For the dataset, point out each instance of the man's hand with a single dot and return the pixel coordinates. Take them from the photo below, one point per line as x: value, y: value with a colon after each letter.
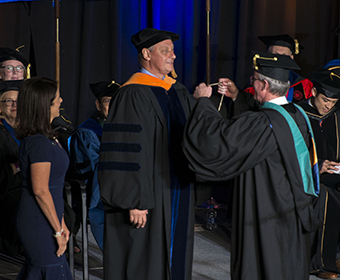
x: 202, y: 90
x: 138, y: 217
x: 329, y: 167
x: 228, y: 88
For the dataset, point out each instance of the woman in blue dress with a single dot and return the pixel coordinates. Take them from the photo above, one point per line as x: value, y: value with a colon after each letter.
x: 43, y: 162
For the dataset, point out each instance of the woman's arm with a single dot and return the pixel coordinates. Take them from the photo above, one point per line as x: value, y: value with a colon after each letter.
x: 40, y: 174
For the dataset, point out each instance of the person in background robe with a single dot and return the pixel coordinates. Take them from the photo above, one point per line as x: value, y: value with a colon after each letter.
x: 300, y: 87
x: 84, y: 145
x: 272, y: 214
x: 325, y: 117
x: 13, y: 65
x: 10, y: 175
x: 143, y: 175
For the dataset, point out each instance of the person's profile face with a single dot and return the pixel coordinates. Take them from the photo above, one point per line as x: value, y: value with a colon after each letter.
x: 258, y: 87
x: 55, y: 107
x: 322, y: 103
x: 103, y: 105
x: 162, y: 57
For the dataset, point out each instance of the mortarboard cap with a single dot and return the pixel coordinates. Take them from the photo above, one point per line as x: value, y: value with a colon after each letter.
x: 102, y: 89
x: 327, y: 81
x: 12, y: 54
x: 275, y: 66
x: 283, y: 40
x: 10, y: 85
x: 151, y: 36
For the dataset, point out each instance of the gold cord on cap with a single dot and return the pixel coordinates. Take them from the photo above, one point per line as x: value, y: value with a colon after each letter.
x: 112, y: 83
x: 297, y: 51
x: 28, y: 70
x: 332, y: 68
x: 18, y: 48
x: 332, y: 74
x: 257, y: 56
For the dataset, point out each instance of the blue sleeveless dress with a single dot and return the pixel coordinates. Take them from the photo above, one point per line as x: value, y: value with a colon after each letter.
x: 34, y: 229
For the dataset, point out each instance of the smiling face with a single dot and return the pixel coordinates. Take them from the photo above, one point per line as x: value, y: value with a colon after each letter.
x: 160, y: 58
x: 7, y: 75
x: 56, y: 106
x: 9, y: 112
x: 322, y: 103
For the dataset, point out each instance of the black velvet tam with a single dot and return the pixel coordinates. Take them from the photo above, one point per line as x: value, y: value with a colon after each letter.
x: 151, y: 36
x: 10, y: 85
x: 283, y: 40
x: 106, y: 88
x: 12, y: 54
x: 274, y: 66
x: 327, y: 81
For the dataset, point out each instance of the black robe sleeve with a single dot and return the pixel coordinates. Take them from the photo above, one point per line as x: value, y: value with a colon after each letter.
x: 126, y: 167
x: 244, y: 101
x: 219, y: 149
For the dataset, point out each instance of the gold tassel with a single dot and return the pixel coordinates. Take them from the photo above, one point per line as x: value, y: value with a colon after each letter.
x: 297, y: 51
x: 28, y: 71
x: 173, y: 74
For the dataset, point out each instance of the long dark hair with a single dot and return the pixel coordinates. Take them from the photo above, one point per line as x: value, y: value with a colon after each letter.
x: 35, y: 98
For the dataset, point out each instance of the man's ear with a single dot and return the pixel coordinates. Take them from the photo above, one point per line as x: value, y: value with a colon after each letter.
x: 314, y: 91
x: 146, y: 54
x: 265, y: 85
x: 98, y: 105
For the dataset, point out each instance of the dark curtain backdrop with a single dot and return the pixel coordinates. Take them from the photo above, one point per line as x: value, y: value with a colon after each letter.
x: 95, y: 38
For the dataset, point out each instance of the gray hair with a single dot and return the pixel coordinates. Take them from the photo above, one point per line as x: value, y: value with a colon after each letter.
x: 276, y: 87
x: 140, y: 55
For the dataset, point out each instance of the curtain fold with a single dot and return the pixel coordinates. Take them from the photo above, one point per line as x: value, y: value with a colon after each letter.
x: 95, y: 38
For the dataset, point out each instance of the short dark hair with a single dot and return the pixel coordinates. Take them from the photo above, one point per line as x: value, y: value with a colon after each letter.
x: 35, y: 98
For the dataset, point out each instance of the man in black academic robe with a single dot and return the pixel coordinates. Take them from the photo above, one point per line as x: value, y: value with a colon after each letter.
x: 325, y: 120
x: 300, y: 87
x: 272, y: 206
x: 10, y: 175
x: 143, y: 176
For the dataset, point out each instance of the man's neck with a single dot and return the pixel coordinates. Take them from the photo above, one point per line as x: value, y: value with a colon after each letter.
x: 145, y: 71
x: 279, y: 100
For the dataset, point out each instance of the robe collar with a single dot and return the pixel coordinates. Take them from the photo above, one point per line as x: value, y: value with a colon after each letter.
x: 147, y: 80
x: 282, y: 100
x: 313, y: 112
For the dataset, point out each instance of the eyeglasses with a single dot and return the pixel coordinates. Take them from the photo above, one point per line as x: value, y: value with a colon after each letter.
x: 106, y: 101
x: 252, y: 80
x: 11, y: 68
x: 9, y: 102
